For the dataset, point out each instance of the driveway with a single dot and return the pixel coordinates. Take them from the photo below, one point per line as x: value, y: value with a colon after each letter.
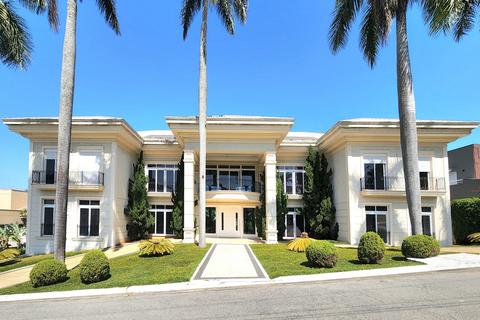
x: 433, y: 295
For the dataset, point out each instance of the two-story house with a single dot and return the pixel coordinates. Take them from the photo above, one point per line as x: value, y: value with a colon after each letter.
x: 365, y: 155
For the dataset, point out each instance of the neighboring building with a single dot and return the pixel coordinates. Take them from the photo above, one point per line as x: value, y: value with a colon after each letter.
x: 365, y: 156
x: 12, y: 203
x: 464, y: 165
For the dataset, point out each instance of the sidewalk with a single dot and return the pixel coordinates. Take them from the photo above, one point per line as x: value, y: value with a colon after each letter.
x: 15, y: 276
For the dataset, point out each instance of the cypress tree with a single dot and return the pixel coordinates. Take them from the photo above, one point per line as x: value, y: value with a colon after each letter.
x: 282, y: 203
x: 260, y: 211
x: 140, y: 220
x: 177, y: 200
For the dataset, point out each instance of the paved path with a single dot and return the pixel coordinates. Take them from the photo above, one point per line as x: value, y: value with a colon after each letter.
x: 229, y: 261
x: 433, y: 295
x: 462, y: 249
x: 16, y: 276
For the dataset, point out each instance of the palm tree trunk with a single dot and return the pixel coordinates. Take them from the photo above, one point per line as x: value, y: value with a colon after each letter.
x: 408, y: 126
x: 202, y: 123
x: 64, y: 129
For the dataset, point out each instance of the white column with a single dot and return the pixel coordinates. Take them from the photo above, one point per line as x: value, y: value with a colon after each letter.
x: 271, y: 197
x: 189, y: 202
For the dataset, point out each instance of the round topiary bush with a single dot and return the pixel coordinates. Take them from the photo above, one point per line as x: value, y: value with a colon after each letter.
x: 420, y: 246
x: 48, y: 272
x: 94, y: 267
x: 371, y: 248
x: 322, y: 253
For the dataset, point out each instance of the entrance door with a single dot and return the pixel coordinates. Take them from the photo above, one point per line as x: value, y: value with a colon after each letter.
x: 229, y: 222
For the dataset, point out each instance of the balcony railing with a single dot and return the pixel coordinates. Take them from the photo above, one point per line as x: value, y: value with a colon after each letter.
x: 81, y: 178
x: 398, y: 184
x: 256, y: 187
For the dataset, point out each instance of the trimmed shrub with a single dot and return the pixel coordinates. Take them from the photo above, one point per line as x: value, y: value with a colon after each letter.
x: 322, y: 254
x: 48, y: 272
x: 94, y: 267
x: 420, y: 246
x: 465, y: 218
x: 371, y: 248
x: 155, y: 247
x: 300, y: 244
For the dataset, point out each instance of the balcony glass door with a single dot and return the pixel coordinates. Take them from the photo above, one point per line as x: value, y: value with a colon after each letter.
x: 374, y: 176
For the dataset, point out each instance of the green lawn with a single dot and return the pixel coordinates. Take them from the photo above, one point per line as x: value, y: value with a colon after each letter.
x: 132, y: 270
x: 29, y: 260
x: 278, y: 261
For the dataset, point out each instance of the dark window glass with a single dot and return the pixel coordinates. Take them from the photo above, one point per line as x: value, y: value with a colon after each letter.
x: 152, y: 227
x: 300, y: 220
x: 299, y: 182
x: 426, y: 209
x: 224, y: 180
x: 151, y: 180
x: 382, y: 208
x: 84, y: 202
x: 371, y: 223
x: 289, y: 182
x: 48, y: 221
x: 379, y: 176
x: 95, y: 202
x: 369, y: 208
x: 211, y: 180
x: 236, y: 221
x: 170, y: 180
x: 48, y: 201
x: 248, y: 181
x: 160, y: 183
x: 169, y: 221
x: 223, y: 221
x: 210, y: 220
x: 234, y: 180
x: 382, y: 226
x: 160, y: 226
x: 423, y: 180
x: 426, y: 225
x: 94, y: 222
x: 83, y: 222
x: 50, y: 171
x: 249, y: 221
x: 290, y: 225
x: 369, y: 182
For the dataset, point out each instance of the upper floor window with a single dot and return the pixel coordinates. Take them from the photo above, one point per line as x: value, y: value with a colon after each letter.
x: 374, y: 170
x: 161, y: 177
x: 50, y: 160
x: 230, y: 177
x: 48, y: 217
x: 89, y: 218
x: 293, y: 179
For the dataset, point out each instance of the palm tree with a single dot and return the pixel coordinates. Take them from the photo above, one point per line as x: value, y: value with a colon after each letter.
x: 15, y: 42
x: 375, y: 27
x: 67, y: 85
x: 224, y: 10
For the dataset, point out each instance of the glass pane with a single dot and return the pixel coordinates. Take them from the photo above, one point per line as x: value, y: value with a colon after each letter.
x: 170, y: 180
x: 94, y: 222
x: 152, y: 227
x: 289, y: 182
x: 382, y: 226
x: 151, y: 180
x: 224, y: 182
x: 83, y: 229
x: 290, y: 231
x: 160, y: 183
x: 211, y: 180
x: 48, y: 222
x: 426, y: 225
x: 210, y: 220
x: 248, y: 181
x: 160, y: 223
x: 168, y: 222
x: 426, y: 209
x: 223, y: 221
x: 236, y: 221
x: 95, y: 202
x: 423, y: 180
x: 299, y: 182
x: 369, y: 176
x: 234, y: 180
x: 50, y: 171
x: 371, y: 225
x: 300, y: 225
x: 249, y: 221
x: 84, y: 202
x: 379, y: 176
x: 369, y: 208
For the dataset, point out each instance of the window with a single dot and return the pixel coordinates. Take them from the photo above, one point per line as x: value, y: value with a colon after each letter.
x: 89, y: 164
x: 374, y: 176
x: 161, y: 177
x: 377, y: 221
x: 50, y: 165
x: 230, y: 177
x: 423, y: 180
x: 89, y: 218
x: 48, y: 221
x: 294, y: 222
x: 211, y: 220
x: 293, y: 179
x: 163, y: 219
x: 248, y: 220
x: 427, y: 221
x: 223, y: 221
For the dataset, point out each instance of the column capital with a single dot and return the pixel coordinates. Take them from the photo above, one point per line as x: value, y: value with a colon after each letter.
x: 270, y: 158
x: 188, y: 156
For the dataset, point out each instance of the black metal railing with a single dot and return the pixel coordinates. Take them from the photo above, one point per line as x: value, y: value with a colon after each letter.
x: 85, y: 230
x: 398, y: 183
x: 93, y: 178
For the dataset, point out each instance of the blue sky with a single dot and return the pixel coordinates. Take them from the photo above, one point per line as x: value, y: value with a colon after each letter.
x: 278, y: 64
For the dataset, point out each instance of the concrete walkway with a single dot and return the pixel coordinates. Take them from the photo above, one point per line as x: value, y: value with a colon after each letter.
x: 229, y: 262
x: 461, y: 249
x: 16, y: 276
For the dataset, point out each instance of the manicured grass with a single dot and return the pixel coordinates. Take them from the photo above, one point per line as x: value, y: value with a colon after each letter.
x: 30, y: 260
x: 279, y: 261
x: 132, y: 270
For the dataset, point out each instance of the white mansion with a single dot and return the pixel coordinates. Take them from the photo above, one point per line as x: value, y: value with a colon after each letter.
x: 365, y: 155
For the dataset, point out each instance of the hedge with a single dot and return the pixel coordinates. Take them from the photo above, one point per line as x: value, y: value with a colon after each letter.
x: 322, y: 253
x: 94, y: 267
x: 465, y: 218
x: 420, y: 246
x: 371, y: 248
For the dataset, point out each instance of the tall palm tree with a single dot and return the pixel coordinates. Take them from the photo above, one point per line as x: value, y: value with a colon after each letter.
x: 67, y: 85
x: 375, y: 27
x: 15, y: 41
x: 225, y: 8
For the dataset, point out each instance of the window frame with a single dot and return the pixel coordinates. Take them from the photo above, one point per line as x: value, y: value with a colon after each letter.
x: 240, y: 169
x: 42, y: 226
x: 165, y: 168
x: 292, y: 211
x: 163, y: 208
x: 293, y: 170
x: 376, y: 213
x: 89, y: 206
x: 428, y: 214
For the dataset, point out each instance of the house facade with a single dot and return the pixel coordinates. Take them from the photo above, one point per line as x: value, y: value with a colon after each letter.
x: 364, y: 154
x: 464, y: 165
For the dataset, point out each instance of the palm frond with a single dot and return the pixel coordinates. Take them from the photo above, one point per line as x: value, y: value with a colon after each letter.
x: 15, y: 43
x: 53, y: 14
x: 464, y: 18
x: 37, y: 6
x: 224, y: 10
x: 189, y: 9
x: 108, y: 8
x: 241, y: 7
x: 344, y: 14
x: 370, y: 36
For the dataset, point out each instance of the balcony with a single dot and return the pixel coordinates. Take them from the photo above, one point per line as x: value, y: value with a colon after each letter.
x: 248, y: 194
x: 78, y: 180
x: 248, y: 187
x: 395, y: 186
